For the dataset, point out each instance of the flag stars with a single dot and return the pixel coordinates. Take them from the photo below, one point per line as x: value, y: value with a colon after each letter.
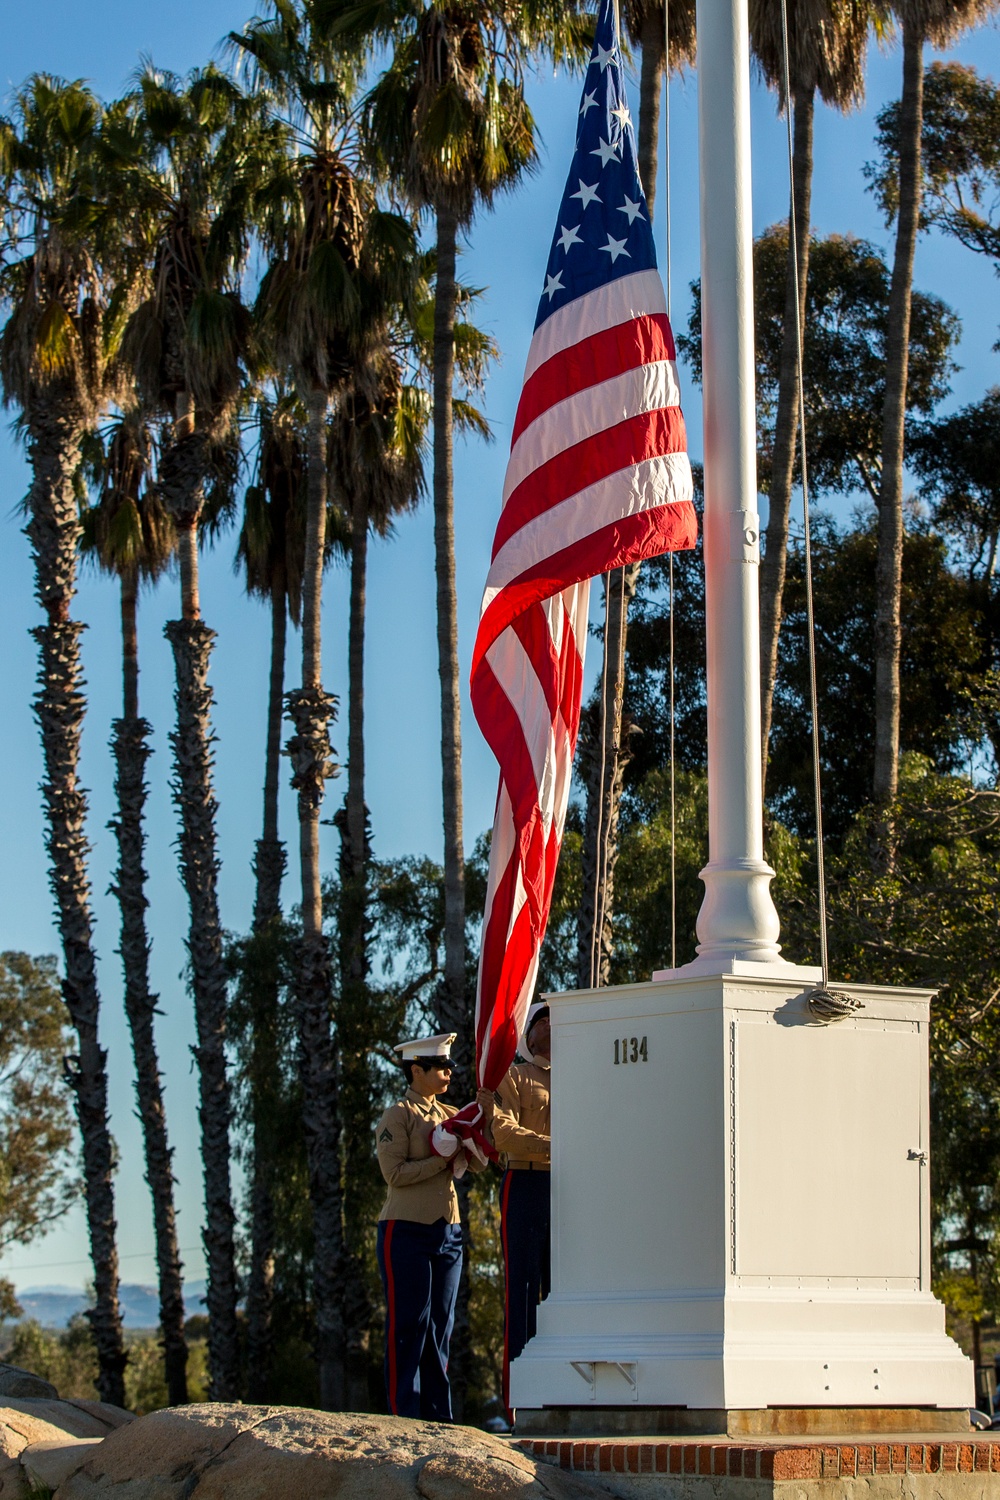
x: 586, y: 194
x: 623, y: 115
x: 614, y: 248
x: 554, y: 284
x: 589, y: 102
x: 604, y: 56
x: 567, y: 237
x: 634, y: 210
x: 606, y: 152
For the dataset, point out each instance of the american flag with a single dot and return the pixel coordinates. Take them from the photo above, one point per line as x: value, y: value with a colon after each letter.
x: 598, y: 477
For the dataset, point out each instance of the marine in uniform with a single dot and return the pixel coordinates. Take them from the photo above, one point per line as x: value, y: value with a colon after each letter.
x: 419, y: 1235
x: 521, y: 1130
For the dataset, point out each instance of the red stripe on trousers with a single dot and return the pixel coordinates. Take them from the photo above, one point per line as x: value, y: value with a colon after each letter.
x: 671, y: 527
x: 390, y: 1289
x: 638, y: 341
x: 506, y: 1298
x: 649, y: 434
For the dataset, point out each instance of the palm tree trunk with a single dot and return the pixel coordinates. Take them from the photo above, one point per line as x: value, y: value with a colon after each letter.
x: 453, y: 1013
x: 354, y: 1016
x: 650, y: 90
x: 131, y: 753
x: 311, y: 710
x: 181, y: 481
x: 888, y: 634
x: 775, y: 560
x: 269, y: 869
x: 59, y: 705
x: 269, y: 857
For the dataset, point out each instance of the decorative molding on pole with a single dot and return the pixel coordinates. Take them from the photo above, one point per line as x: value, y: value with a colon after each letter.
x: 738, y: 920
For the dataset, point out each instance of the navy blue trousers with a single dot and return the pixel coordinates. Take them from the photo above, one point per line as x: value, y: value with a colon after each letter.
x: 421, y: 1265
x: 525, y: 1211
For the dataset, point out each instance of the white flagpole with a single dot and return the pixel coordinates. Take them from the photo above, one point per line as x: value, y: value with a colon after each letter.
x: 738, y: 920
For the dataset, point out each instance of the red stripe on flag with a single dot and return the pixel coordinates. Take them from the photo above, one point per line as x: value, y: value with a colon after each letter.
x: 649, y: 434
x: 672, y: 527
x: 642, y: 341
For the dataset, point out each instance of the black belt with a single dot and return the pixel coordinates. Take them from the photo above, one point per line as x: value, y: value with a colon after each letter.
x: 528, y: 1166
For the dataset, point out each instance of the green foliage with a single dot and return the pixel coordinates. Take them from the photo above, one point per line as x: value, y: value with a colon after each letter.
x: 958, y: 458
x: 9, y: 1305
x: 63, y: 272
x: 67, y: 1359
x: 35, y: 1118
x: 960, y: 156
x: 845, y: 332
x: 945, y: 651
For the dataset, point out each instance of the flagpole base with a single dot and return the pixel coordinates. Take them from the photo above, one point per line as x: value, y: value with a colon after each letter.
x: 740, y: 1201
x: 738, y: 919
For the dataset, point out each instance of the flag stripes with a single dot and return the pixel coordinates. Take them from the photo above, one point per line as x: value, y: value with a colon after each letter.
x: 598, y: 476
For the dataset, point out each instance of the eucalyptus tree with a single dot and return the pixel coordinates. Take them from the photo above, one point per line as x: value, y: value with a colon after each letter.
x: 920, y: 21
x: 958, y: 458
x: 448, y: 123
x: 826, y: 47
x: 270, y: 558
x: 199, y: 145
x: 131, y: 537
x: 337, y: 263
x: 58, y: 368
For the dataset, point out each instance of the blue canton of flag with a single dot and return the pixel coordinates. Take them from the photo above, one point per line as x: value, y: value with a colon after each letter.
x: 603, y: 230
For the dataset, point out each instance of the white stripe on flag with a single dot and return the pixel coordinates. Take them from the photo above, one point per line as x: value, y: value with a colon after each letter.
x: 664, y: 480
x: 515, y: 672
x: 636, y: 296
x: 589, y: 411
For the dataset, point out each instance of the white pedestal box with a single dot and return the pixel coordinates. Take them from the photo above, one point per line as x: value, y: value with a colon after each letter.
x: 740, y: 1202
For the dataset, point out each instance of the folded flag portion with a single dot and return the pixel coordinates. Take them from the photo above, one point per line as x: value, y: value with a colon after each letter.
x: 465, y: 1129
x: 598, y: 477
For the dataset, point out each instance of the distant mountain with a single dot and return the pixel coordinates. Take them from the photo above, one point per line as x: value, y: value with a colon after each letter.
x: 53, y: 1306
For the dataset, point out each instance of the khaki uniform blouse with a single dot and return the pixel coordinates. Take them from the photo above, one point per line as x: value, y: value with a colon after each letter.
x: 521, y: 1117
x: 421, y: 1185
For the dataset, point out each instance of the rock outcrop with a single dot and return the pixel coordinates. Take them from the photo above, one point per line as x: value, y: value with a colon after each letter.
x: 216, y: 1452
x: 17, y: 1382
x: 25, y: 1421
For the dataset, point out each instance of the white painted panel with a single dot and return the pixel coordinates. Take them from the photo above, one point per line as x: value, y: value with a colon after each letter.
x: 638, y: 1189
x: 826, y: 1116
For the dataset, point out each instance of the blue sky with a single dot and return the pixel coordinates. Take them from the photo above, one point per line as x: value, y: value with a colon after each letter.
x: 506, y: 255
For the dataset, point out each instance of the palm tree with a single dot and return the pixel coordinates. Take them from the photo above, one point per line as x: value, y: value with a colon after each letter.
x: 337, y: 264
x: 56, y: 366
x: 939, y: 22
x: 132, y: 538
x: 827, y: 42
x: 649, y: 23
x: 270, y: 551
x: 448, y: 123
x: 376, y: 472
x: 188, y: 343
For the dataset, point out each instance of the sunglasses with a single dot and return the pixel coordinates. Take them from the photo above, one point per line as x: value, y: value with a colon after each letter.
x: 427, y: 1063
